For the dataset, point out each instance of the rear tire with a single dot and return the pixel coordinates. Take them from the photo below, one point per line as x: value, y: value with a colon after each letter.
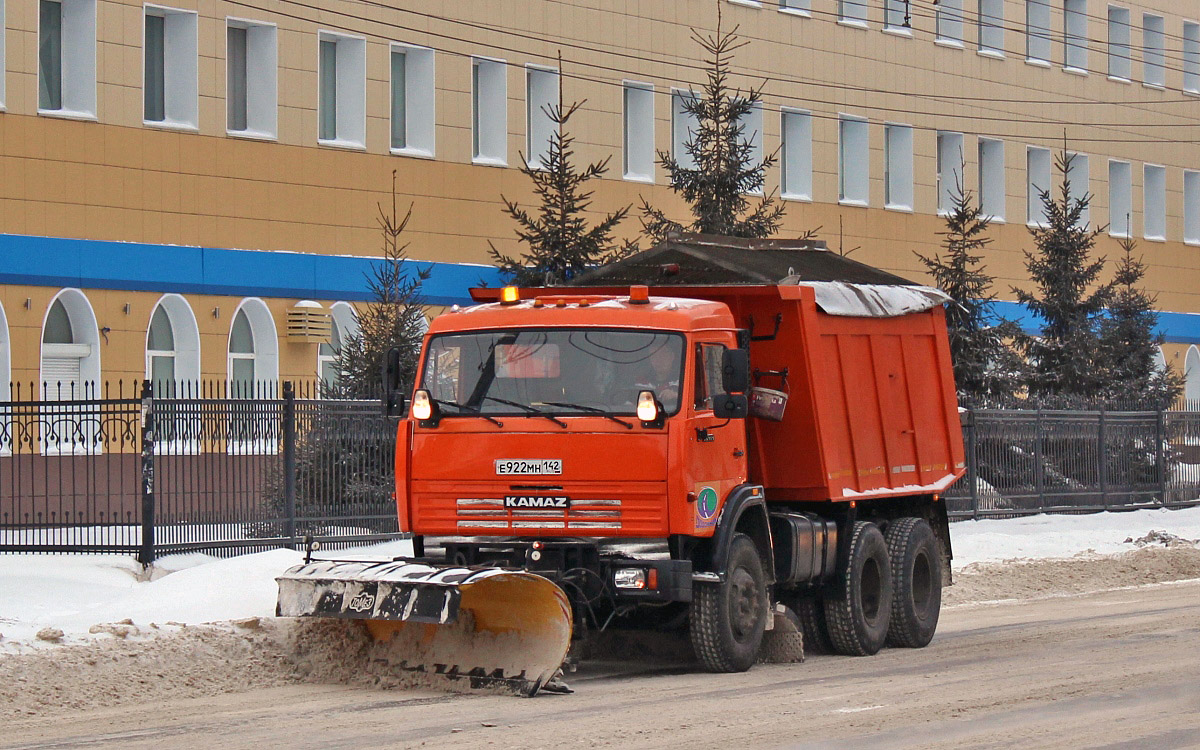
x: 916, y: 559
x: 727, y: 619
x: 858, y: 618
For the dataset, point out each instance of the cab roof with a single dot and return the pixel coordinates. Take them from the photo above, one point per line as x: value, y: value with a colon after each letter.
x: 587, y: 310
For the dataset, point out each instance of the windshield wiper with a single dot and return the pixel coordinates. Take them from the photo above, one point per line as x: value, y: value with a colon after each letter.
x: 529, y: 410
x: 590, y: 410
x: 463, y: 408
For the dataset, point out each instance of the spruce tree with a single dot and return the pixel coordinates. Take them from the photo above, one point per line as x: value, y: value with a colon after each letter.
x: 394, y: 317
x: 560, y: 243
x: 987, y: 371
x: 1129, y: 342
x: 1067, y: 296
x: 718, y: 188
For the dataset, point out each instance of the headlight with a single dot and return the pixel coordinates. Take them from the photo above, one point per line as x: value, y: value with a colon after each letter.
x: 422, y: 405
x: 647, y: 406
x: 629, y: 578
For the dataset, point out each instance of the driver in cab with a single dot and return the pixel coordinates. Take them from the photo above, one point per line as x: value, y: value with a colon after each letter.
x: 661, y: 377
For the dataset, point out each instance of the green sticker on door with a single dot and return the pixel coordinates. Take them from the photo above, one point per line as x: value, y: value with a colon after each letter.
x: 706, y: 506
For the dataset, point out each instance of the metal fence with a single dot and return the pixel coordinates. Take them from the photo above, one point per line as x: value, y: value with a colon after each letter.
x: 202, y: 467
x: 1037, y: 461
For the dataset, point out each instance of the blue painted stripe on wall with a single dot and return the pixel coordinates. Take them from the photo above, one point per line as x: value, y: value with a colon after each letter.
x: 94, y: 264
x: 1179, y: 328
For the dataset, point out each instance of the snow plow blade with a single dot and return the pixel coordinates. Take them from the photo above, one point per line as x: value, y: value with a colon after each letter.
x: 489, y: 626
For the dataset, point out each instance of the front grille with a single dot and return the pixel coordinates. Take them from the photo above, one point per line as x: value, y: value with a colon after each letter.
x: 488, y: 512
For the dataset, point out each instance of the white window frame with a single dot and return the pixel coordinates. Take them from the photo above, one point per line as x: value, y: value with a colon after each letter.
x: 420, y: 100
x: 683, y: 126
x: 181, y: 70
x: 85, y: 335
x: 1120, y: 41
x: 77, y: 64
x: 857, y: 15
x: 489, y: 92
x: 1038, y: 39
x: 893, y: 18
x: 949, y: 23
x: 991, y: 28
x: 1075, y: 36
x: 262, y: 79
x: 540, y: 80
x: 796, y: 7
x: 1154, y: 202
x: 1080, y: 172
x: 1191, y: 57
x: 1191, y: 207
x: 637, y: 115
x: 992, y: 191
x: 6, y: 394
x: 350, y: 91
x: 1120, y: 198
x: 1038, y: 177
x: 854, y: 187
x: 951, y: 158
x: 795, y: 158
x: 1153, y: 52
x: 898, y: 167
x: 182, y: 440
x: 265, y: 382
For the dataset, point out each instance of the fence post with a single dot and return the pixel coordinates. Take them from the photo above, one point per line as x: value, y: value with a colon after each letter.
x: 1039, y: 473
x: 972, y: 463
x: 1160, y: 458
x: 1101, y: 451
x: 289, y: 459
x: 146, y: 555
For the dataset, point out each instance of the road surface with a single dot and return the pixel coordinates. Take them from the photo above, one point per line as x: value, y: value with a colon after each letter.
x: 1113, y: 670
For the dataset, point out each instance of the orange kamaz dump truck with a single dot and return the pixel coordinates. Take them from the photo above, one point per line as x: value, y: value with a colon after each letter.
x: 738, y: 460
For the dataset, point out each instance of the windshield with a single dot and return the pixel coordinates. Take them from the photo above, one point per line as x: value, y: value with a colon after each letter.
x: 559, y: 371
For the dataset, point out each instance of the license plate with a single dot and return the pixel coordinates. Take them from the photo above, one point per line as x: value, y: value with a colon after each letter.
x: 528, y: 466
x: 554, y: 502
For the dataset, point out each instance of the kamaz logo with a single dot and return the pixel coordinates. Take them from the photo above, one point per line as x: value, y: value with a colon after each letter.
x: 362, y: 603
x: 529, y: 501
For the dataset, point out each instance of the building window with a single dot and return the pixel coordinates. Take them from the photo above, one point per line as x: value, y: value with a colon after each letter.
x: 1191, y: 57
x: 541, y: 97
x: 1037, y: 31
x: 991, y: 178
x: 639, y: 131
x: 70, y: 370
x: 1075, y: 41
x: 752, y: 134
x: 66, y: 57
x: 1152, y: 50
x: 1037, y: 184
x: 413, y: 94
x: 683, y: 128
x: 854, y: 161
x: 241, y: 356
x: 170, y: 67
x: 1119, y: 60
x: 950, y: 21
x: 852, y: 12
x: 795, y: 6
x: 1191, y: 207
x: 950, y: 158
x: 1154, y: 202
x: 160, y: 353
x: 1120, y: 200
x: 250, y: 71
x: 327, y: 356
x: 1079, y: 176
x: 795, y: 156
x: 896, y: 16
x: 489, y: 111
x: 991, y: 26
x: 342, y: 90
x: 898, y: 167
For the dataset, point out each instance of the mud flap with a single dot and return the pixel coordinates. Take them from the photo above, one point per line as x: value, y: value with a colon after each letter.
x: 491, y: 627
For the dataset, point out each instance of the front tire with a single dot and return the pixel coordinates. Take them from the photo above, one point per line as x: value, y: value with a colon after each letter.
x: 858, y: 617
x: 917, y: 575
x: 727, y: 619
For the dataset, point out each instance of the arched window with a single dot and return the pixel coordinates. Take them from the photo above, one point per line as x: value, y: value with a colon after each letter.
x: 6, y: 441
x: 253, y: 363
x: 70, y: 348
x: 1191, y: 375
x: 343, y: 322
x: 173, y: 348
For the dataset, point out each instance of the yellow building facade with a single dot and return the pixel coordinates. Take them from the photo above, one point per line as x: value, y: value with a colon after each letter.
x: 227, y: 160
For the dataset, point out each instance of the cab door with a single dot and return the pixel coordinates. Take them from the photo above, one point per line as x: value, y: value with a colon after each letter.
x: 716, y: 447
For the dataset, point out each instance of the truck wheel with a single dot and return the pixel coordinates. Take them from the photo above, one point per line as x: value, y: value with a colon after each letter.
x: 811, y: 612
x: 858, y: 618
x: 728, y: 619
x: 917, y: 578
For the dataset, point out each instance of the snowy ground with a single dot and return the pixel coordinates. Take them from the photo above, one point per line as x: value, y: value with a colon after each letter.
x: 75, y: 593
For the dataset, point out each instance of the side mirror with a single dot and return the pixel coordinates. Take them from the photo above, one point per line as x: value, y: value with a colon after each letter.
x: 735, y: 371
x: 393, y: 399
x: 730, y: 406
